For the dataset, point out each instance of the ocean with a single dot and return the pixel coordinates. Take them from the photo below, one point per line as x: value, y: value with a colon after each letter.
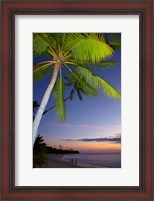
x: 95, y: 160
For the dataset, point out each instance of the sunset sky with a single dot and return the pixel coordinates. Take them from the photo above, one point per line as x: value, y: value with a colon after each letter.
x: 92, y: 125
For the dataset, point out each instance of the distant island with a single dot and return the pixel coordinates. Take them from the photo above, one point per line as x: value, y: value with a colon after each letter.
x: 51, y: 150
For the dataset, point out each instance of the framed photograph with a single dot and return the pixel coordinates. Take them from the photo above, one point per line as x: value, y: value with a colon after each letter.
x: 77, y: 100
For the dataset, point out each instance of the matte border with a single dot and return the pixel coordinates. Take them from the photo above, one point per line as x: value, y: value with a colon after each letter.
x: 134, y: 7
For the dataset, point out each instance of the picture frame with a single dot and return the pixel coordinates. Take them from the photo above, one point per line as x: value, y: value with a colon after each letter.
x: 144, y: 9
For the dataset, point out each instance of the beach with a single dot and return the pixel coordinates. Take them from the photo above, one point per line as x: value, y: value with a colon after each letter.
x: 55, y: 161
x: 83, y: 160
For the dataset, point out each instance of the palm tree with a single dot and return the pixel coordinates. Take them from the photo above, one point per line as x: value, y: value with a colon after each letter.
x: 75, y: 87
x: 76, y: 52
x: 39, y: 152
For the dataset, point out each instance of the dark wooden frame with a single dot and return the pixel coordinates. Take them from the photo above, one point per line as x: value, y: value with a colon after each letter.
x: 11, y: 8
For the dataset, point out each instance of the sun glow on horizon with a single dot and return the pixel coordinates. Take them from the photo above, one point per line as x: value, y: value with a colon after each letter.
x: 89, y: 146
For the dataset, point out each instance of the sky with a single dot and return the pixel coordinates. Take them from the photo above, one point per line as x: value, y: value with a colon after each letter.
x: 92, y: 125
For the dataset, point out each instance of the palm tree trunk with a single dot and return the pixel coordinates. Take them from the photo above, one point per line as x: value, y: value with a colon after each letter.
x: 44, y: 103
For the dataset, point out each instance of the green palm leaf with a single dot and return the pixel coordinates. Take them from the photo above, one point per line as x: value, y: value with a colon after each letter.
x: 98, y: 66
x: 72, y: 94
x: 114, y: 40
x: 98, y: 82
x: 79, y: 94
x: 88, y: 47
x: 58, y: 37
x: 41, y: 43
x: 81, y: 83
x: 58, y: 94
x: 41, y: 70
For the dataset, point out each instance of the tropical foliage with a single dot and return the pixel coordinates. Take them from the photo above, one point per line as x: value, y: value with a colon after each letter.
x: 75, y: 88
x: 78, y: 53
x: 39, y: 152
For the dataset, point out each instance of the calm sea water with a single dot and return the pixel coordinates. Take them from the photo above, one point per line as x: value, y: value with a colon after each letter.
x: 108, y: 160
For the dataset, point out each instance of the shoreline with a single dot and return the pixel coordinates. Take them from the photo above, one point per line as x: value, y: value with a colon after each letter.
x: 56, y: 161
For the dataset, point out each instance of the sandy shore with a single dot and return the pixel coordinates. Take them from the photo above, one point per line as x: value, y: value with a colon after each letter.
x: 55, y: 161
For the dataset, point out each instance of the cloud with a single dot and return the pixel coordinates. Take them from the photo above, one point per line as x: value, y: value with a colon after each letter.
x: 87, y: 126
x: 112, y: 139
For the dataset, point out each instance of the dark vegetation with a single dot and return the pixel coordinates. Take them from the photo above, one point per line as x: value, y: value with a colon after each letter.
x: 51, y: 150
x: 40, y: 151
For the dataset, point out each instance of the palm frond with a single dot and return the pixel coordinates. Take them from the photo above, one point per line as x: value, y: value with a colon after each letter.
x: 41, y: 70
x: 58, y: 94
x: 98, y: 66
x: 81, y: 83
x: 72, y: 94
x: 98, y: 82
x: 41, y: 43
x: 114, y: 39
x: 58, y: 37
x: 87, y: 47
x: 79, y: 94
